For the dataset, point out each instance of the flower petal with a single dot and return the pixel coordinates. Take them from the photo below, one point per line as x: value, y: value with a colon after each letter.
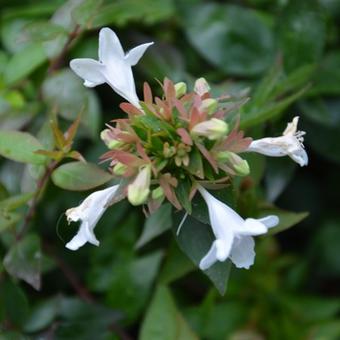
x: 251, y: 226
x: 270, y: 221
x: 299, y: 156
x: 109, y: 46
x: 90, y: 70
x: 83, y: 235
x: 133, y: 56
x: 89, y: 212
x: 242, y: 253
x: 210, y: 258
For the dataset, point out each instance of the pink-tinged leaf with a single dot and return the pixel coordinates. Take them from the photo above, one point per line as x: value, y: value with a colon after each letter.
x: 127, y: 158
x: 72, y: 130
x: 227, y: 169
x: 56, y: 155
x: 207, y: 156
x: 235, y: 142
x: 186, y: 139
x: 181, y: 109
x: 147, y: 93
x: 130, y: 109
x: 142, y: 153
x: 164, y: 112
x: 195, y: 117
x: 169, y: 193
x: 193, y: 191
x: 169, y: 90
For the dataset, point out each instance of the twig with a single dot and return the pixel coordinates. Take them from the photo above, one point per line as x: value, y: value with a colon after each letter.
x: 40, y: 186
x: 56, y: 63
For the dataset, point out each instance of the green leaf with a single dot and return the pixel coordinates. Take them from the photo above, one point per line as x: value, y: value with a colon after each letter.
x: 122, y: 12
x: 287, y: 219
x: 195, y: 239
x: 14, y: 301
x: 15, y: 202
x: 79, y: 176
x: 24, y: 259
x: 231, y: 37
x: 20, y: 147
x: 38, y: 31
x: 84, y: 13
x: 42, y: 315
x: 65, y: 92
x: 24, y: 62
x: 163, y: 320
x: 175, y: 266
x: 8, y: 219
x: 159, y: 222
x: 131, y: 283
x: 302, y: 33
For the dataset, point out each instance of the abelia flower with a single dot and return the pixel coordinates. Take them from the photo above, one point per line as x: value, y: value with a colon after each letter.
x: 113, y: 67
x: 289, y: 144
x: 89, y: 212
x: 233, y: 234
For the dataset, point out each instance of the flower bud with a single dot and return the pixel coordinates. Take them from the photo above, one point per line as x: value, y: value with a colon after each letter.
x: 110, y: 142
x: 157, y: 193
x: 139, y: 189
x: 234, y: 161
x: 201, y: 86
x: 209, y: 106
x: 119, y: 169
x: 181, y: 89
x: 212, y: 129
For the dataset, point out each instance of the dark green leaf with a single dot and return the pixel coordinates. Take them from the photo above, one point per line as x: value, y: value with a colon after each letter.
x: 24, y: 259
x: 195, y: 239
x: 159, y: 222
x: 24, y: 62
x: 231, y: 37
x: 163, y: 320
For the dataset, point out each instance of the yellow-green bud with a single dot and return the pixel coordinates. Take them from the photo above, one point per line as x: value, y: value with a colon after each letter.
x: 119, y: 169
x: 209, y: 106
x: 181, y: 89
x: 242, y: 168
x: 212, y: 129
x: 110, y: 142
x: 157, y: 193
x: 201, y: 86
x: 239, y: 165
x: 139, y: 189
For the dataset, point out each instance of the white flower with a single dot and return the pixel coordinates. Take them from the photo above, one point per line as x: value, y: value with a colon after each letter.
x: 89, y: 212
x: 289, y: 144
x: 233, y: 233
x: 113, y: 67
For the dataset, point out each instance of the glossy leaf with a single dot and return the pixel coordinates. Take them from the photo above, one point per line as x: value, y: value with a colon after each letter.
x: 79, y: 176
x: 20, y: 147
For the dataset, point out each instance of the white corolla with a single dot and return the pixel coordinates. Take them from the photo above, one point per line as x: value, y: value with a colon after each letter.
x: 233, y: 233
x: 113, y: 67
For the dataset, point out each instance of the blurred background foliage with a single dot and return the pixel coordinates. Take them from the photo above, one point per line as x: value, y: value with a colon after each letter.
x: 284, y: 55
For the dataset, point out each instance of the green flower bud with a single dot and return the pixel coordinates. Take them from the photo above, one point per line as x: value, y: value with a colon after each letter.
x: 212, y: 129
x: 201, y: 86
x: 139, y: 189
x: 234, y: 161
x: 119, y: 169
x: 181, y: 89
x: 209, y: 106
x: 157, y: 193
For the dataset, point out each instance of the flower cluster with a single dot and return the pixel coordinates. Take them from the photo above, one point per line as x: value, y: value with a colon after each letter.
x: 172, y: 146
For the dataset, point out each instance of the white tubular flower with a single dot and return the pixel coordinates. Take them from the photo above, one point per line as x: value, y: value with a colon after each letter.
x: 113, y: 67
x: 89, y: 212
x: 289, y: 144
x: 212, y: 129
x: 233, y: 234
